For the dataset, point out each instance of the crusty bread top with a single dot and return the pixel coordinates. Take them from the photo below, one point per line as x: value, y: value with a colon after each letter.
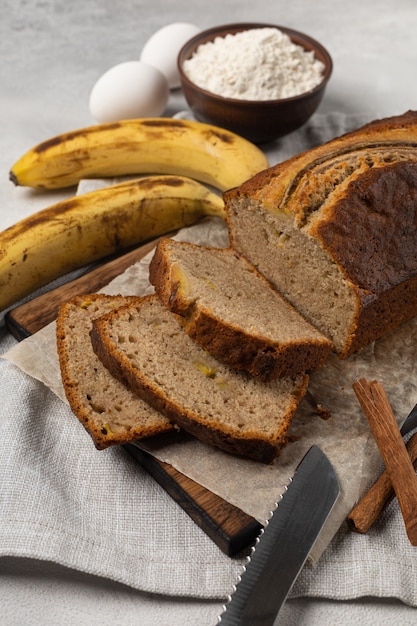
x: 371, y: 229
x: 145, y: 345
x: 110, y: 412
x: 231, y: 310
x: 357, y: 195
x: 376, y: 143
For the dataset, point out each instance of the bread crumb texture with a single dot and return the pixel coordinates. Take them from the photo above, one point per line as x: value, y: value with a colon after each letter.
x: 335, y: 231
x: 218, y: 404
x: 109, y: 411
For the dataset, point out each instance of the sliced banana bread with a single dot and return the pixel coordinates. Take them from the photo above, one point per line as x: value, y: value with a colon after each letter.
x: 110, y: 412
x: 144, y: 345
x: 335, y: 230
x: 233, y: 312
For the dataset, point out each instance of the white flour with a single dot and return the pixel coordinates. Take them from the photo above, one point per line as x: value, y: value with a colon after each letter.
x: 258, y: 64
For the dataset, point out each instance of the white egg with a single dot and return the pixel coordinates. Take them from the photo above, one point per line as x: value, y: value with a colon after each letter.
x: 162, y: 49
x: 129, y: 90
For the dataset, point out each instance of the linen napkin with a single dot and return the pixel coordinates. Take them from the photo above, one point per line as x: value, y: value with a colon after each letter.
x: 100, y: 513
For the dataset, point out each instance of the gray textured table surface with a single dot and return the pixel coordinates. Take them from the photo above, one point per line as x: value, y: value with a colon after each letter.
x: 51, y: 55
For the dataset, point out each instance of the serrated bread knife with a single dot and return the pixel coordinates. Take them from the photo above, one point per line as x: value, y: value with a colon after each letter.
x: 284, y: 545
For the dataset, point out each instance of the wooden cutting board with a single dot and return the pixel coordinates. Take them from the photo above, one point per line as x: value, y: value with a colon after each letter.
x: 229, y: 527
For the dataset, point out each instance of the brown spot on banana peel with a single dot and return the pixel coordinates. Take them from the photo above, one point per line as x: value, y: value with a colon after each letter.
x: 153, y: 123
x: 60, y: 209
x: 76, y: 152
x: 42, y: 217
x: 169, y: 181
x: 69, y: 136
x: 163, y: 123
x: 218, y: 134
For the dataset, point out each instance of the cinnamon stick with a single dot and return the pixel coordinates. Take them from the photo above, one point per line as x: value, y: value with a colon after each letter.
x: 365, y: 513
x: 384, y: 427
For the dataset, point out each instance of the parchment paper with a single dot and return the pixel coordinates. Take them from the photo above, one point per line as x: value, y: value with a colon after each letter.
x: 345, y: 436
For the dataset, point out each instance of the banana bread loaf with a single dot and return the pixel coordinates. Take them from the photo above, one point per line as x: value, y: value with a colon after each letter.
x: 233, y: 312
x: 110, y: 412
x: 144, y: 345
x: 335, y: 231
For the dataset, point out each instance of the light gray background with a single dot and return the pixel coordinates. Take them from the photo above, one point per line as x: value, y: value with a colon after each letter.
x: 51, y: 55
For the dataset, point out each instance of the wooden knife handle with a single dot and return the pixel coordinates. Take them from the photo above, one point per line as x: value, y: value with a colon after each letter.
x: 231, y: 529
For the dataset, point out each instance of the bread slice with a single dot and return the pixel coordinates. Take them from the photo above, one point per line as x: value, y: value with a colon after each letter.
x: 110, y: 412
x: 335, y: 231
x: 145, y: 345
x: 232, y: 311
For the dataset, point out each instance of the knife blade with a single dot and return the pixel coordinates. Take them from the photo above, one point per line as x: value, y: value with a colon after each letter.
x: 284, y: 545
x: 410, y: 422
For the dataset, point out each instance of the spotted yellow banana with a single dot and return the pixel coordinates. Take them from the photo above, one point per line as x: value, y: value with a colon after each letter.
x: 201, y: 151
x: 90, y: 226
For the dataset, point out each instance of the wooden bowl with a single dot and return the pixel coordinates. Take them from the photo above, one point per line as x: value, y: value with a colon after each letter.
x: 259, y: 121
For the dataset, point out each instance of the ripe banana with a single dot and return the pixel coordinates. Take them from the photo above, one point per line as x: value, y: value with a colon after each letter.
x: 77, y: 231
x: 207, y: 153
